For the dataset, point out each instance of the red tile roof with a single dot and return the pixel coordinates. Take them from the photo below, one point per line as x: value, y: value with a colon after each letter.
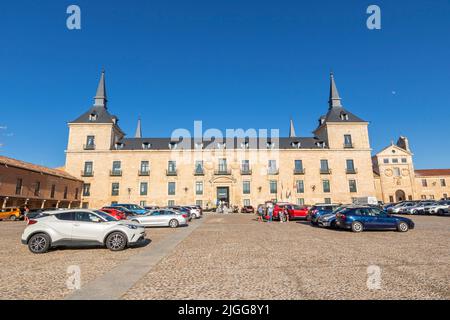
x: 432, y: 172
x: 36, y: 168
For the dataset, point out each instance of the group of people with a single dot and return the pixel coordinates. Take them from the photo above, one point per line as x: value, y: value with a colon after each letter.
x: 265, y: 214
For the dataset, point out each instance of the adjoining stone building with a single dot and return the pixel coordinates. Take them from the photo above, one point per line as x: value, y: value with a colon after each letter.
x: 23, y: 183
x: 334, y: 165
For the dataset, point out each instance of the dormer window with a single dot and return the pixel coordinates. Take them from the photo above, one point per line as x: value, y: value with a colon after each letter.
x: 115, y: 120
x: 321, y: 121
x: 296, y: 144
x: 221, y: 145
x: 173, y: 145
x: 270, y: 145
x: 198, y: 145
x: 93, y: 117
x: 344, y: 116
x: 321, y: 144
x: 244, y: 145
x: 146, y: 146
x: 119, y: 146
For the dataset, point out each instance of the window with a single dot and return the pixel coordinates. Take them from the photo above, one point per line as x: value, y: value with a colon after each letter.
x: 245, y: 166
x: 65, y: 192
x: 143, y: 190
x: 37, y: 189
x: 298, y: 166
x: 324, y: 166
x: 350, y: 166
x: 115, y: 189
x: 52, y: 191
x: 143, y: 203
x: 273, y: 167
x: 386, y: 160
x: 199, y: 167
x: 301, y: 201
x: 247, y: 202
x: 90, y: 143
x: 86, y: 190
x: 171, y: 187
x: 424, y: 183
x: 391, y: 199
x: 273, y: 187
x: 348, y: 141
x: 445, y: 195
x: 146, y: 146
x: 327, y: 200
x: 222, y: 165
x: 352, y: 186
x: 423, y: 197
x: 246, y: 187
x: 443, y: 183
x: 395, y: 160
x: 116, y: 167
x: 300, y: 186
x: 76, y: 193
x: 172, y: 166
x: 88, y: 168
x: 170, y: 203
x: 66, y: 216
x: 199, y: 203
x: 93, y: 117
x: 404, y: 160
x: 326, y: 186
x: 397, y: 172
x: 199, y: 188
x: 145, y: 167
x: 432, y: 197
x: 19, y: 183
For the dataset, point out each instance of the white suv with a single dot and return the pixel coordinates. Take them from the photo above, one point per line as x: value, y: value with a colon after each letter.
x: 80, y: 227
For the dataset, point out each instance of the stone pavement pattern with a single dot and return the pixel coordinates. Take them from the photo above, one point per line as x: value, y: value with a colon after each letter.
x: 235, y: 257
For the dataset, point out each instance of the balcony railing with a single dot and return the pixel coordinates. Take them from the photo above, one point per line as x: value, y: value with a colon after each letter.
x: 246, y: 171
x: 171, y: 172
x: 144, y: 173
x: 299, y: 171
x: 273, y: 172
x: 351, y: 171
x: 325, y: 171
x: 348, y: 145
x: 87, y: 173
x: 222, y: 172
x: 115, y: 173
x: 89, y: 147
x: 199, y: 172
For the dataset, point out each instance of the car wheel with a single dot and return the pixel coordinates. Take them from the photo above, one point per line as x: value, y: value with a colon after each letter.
x: 116, y: 241
x: 173, y: 223
x: 333, y: 225
x: 39, y: 243
x: 357, y: 226
x: 440, y: 212
x: 13, y: 218
x: 403, y: 227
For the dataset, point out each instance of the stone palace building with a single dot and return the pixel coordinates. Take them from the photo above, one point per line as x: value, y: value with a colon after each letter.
x: 334, y: 165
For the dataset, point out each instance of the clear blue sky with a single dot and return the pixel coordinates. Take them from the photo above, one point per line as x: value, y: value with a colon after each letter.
x: 230, y: 63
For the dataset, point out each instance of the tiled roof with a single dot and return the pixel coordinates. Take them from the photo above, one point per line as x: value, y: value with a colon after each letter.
x: 36, y: 168
x: 432, y: 172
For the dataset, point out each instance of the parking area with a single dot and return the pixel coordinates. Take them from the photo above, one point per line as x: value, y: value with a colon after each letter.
x: 236, y: 257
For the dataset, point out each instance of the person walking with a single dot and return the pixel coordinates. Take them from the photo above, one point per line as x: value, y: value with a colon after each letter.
x: 281, y: 215
x: 260, y: 214
x: 286, y: 214
x: 270, y: 214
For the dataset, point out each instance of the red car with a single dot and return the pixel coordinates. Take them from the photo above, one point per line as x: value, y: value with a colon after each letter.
x: 119, y: 215
x: 296, y: 211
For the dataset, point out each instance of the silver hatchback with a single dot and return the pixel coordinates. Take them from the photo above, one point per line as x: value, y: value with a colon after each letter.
x: 162, y: 218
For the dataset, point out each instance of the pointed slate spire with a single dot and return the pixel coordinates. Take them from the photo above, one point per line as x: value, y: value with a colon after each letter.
x: 335, y: 99
x: 138, y: 129
x: 100, y: 98
x: 292, y: 130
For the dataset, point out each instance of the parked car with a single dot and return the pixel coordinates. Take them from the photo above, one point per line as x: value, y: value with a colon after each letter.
x: 247, y: 209
x: 118, y: 214
x: 132, y: 207
x: 187, y: 211
x: 441, y: 208
x: 320, y: 209
x: 80, y: 227
x: 195, y: 211
x: 150, y: 208
x: 370, y: 218
x: 401, y: 207
x: 12, y: 214
x: 329, y: 220
x: 419, y: 208
x: 128, y: 213
x: 162, y: 218
x: 296, y: 211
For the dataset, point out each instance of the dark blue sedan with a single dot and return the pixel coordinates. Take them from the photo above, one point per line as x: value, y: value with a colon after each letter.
x: 358, y: 219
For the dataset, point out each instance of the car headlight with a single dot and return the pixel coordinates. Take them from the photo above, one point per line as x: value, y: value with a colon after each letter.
x: 132, y: 226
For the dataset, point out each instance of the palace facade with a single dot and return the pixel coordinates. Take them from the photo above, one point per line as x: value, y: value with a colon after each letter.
x: 334, y: 165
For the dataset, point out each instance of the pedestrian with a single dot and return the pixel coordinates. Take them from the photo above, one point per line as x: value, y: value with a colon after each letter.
x: 26, y: 212
x: 260, y: 214
x: 270, y: 214
x: 286, y: 214
x: 281, y: 215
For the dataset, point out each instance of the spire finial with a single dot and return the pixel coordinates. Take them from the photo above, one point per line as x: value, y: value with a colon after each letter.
x: 292, y: 129
x: 138, y: 129
x: 335, y: 99
x: 100, y: 98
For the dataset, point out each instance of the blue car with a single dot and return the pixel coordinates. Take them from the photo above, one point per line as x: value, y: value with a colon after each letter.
x: 319, y: 210
x: 135, y: 209
x: 358, y: 219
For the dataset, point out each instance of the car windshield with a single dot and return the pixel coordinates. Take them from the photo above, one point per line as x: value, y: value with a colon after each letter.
x: 105, y: 216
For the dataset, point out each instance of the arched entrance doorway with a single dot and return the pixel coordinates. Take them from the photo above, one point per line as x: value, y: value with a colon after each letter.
x: 400, y: 195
